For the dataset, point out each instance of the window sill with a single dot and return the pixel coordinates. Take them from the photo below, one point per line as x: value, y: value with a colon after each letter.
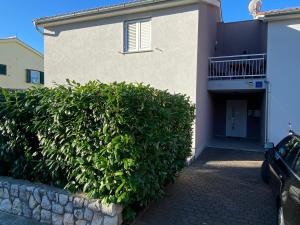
x: 134, y: 52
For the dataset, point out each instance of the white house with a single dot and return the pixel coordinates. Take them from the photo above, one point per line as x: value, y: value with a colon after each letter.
x: 241, y: 76
x: 283, y: 50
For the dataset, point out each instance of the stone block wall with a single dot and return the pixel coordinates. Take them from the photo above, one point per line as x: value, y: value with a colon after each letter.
x: 54, y: 206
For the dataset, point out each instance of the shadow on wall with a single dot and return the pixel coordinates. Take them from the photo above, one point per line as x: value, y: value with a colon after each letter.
x: 243, y: 37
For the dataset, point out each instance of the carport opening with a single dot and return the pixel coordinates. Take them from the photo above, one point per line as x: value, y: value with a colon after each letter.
x: 238, y: 120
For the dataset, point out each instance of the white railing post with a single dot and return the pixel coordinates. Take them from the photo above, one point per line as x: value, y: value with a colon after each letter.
x: 237, y: 67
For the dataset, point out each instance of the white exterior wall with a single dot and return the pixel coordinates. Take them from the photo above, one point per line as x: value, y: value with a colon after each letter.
x: 284, y: 77
x: 179, y: 61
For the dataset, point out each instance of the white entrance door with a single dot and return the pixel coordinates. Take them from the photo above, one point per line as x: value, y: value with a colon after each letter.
x: 236, y: 118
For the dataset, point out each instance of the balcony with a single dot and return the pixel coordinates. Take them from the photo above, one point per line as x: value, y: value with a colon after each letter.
x: 237, y: 67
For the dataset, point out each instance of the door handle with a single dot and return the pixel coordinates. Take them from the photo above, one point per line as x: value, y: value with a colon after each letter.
x: 280, y: 177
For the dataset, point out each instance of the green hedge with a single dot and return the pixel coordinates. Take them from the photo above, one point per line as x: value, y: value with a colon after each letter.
x: 119, y: 142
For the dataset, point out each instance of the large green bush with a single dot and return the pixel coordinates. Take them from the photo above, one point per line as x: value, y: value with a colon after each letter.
x: 119, y: 142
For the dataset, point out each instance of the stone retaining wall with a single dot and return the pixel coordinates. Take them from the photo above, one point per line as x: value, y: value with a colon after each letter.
x: 54, y: 206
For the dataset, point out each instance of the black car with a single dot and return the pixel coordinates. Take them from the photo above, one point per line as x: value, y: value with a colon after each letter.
x: 281, y: 170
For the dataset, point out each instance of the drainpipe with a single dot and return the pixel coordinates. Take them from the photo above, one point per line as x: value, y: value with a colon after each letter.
x: 267, y: 111
x: 38, y: 29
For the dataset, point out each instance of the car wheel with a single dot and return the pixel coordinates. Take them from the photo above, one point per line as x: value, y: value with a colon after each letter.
x: 280, y: 216
x: 265, y: 173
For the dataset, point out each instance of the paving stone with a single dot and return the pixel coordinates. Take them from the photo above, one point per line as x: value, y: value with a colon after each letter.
x: 69, y: 207
x: 36, y: 213
x: 63, y: 199
x: 57, y: 208
x: 8, y: 219
x: 26, y: 210
x: 22, y: 193
x: 68, y: 219
x: 14, y: 190
x: 80, y: 222
x: 78, y: 213
x: 17, y: 207
x: 57, y: 219
x: 222, y: 187
x: 97, y: 219
x: 6, y: 206
x: 36, y: 195
x: 110, y: 220
x: 45, y: 203
x: 45, y: 216
x: 78, y: 202
x: 88, y: 214
x: 32, y: 202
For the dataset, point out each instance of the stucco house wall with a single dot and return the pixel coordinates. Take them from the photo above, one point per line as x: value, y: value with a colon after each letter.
x: 18, y: 58
x: 207, y: 28
x: 93, y: 51
x: 283, y: 75
x: 182, y: 39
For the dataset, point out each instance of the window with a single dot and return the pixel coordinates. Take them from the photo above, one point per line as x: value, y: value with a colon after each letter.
x: 3, y: 69
x: 297, y: 166
x: 288, y: 149
x: 34, y: 77
x: 137, y: 35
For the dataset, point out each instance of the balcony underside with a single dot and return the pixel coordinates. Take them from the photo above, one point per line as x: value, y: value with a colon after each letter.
x: 237, y: 85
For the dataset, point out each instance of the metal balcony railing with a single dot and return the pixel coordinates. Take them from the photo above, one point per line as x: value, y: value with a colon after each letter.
x: 237, y: 67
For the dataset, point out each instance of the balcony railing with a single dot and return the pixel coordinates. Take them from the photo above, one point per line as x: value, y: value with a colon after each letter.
x: 237, y: 67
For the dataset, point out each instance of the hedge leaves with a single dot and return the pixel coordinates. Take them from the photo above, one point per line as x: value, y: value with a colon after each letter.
x: 118, y: 142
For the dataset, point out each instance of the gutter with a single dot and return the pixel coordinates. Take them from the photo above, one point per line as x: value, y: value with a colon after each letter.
x: 279, y: 16
x: 115, y: 10
x: 38, y: 29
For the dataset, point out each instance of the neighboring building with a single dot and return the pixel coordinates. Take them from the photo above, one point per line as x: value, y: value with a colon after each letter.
x: 283, y: 74
x: 184, y: 46
x: 21, y: 66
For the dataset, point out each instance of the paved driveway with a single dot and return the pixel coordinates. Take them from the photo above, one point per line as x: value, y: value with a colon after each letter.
x: 222, y: 188
x: 7, y: 219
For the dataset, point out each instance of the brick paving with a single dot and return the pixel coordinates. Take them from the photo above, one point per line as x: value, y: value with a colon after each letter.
x: 223, y: 187
x: 7, y: 219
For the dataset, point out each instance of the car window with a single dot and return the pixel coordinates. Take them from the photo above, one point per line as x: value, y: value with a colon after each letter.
x: 281, y: 148
x: 297, y: 166
x: 288, y: 149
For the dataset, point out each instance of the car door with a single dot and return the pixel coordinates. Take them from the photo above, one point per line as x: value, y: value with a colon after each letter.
x: 291, y: 195
x: 277, y: 167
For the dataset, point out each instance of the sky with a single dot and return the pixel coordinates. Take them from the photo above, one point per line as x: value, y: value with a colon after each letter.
x: 16, y: 15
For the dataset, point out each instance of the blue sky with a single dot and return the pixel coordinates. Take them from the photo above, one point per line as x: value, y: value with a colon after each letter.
x: 16, y: 15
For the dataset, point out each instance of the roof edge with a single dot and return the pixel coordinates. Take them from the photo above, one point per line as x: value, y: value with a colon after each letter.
x: 23, y: 44
x: 283, y: 14
x: 116, y: 10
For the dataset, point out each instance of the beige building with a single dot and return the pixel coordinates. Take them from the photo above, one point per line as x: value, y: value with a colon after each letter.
x: 21, y: 66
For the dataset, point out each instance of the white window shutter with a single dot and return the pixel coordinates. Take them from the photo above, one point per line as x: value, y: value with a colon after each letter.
x: 132, y: 34
x: 145, y: 34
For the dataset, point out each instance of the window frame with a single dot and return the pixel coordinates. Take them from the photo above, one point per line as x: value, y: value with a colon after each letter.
x: 290, y: 165
x: 138, y: 35
x: 41, y: 78
x: 5, y: 66
x: 297, y: 170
